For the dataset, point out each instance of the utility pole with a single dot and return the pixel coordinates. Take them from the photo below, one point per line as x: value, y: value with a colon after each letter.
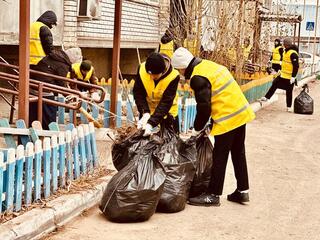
x: 277, y: 18
x: 238, y: 42
x: 304, y: 9
x: 315, y: 36
x: 115, y: 60
x: 24, y: 52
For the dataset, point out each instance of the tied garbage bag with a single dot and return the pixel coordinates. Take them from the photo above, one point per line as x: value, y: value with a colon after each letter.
x: 178, y: 158
x: 303, y: 103
x: 120, y: 149
x: 133, y: 193
x: 204, y: 165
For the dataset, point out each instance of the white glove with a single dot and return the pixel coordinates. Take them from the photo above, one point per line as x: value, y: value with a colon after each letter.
x: 292, y: 80
x: 147, y: 130
x: 194, y: 133
x: 211, y: 138
x: 143, y: 121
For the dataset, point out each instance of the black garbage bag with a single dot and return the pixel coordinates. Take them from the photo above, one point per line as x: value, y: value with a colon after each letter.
x: 303, y: 103
x: 202, y: 176
x: 179, y: 159
x: 132, y: 195
x: 120, y: 149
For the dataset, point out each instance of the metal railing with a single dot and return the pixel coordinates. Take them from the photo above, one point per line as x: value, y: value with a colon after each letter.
x: 75, y: 97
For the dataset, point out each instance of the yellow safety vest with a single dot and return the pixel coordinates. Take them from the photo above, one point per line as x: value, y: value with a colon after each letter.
x: 155, y: 93
x: 36, y: 49
x: 191, y: 45
x: 287, y: 67
x: 276, y: 57
x: 229, y: 107
x: 167, y: 48
x: 246, y: 52
x: 232, y: 55
x: 76, y: 69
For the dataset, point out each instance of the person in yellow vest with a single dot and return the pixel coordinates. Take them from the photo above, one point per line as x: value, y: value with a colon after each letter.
x: 220, y: 100
x: 246, y: 48
x: 289, y: 70
x: 277, y: 54
x: 167, y: 44
x: 83, y: 71
x: 191, y: 42
x: 155, y: 93
x: 41, y: 40
x: 56, y: 63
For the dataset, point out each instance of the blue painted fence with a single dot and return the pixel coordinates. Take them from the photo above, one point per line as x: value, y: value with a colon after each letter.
x: 126, y: 112
x: 35, y: 171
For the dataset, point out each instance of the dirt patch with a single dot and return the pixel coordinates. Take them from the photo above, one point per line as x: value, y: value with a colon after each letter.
x: 284, y: 168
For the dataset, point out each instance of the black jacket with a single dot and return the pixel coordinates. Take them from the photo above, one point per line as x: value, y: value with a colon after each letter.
x: 140, y: 97
x: 48, y: 18
x: 56, y: 63
x: 202, y: 90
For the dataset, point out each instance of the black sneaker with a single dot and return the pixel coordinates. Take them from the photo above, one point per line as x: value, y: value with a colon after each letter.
x: 238, y: 197
x: 205, y: 199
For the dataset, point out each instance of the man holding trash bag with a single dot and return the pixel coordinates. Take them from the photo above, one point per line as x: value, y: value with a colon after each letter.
x: 218, y: 96
x: 155, y: 93
x: 288, y: 74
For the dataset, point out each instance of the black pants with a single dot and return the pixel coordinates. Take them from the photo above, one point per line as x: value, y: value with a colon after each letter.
x: 284, y: 84
x: 49, y: 113
x: 233, y: 142
x: 276, y: 67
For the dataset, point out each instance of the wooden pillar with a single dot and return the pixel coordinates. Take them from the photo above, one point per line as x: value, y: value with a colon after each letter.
x: 24, y: 52
x: 115, y: 59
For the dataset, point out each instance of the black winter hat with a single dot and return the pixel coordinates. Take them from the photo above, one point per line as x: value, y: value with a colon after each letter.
x: 86, y: 65
x: 155, y: 63
x: 49, y: 18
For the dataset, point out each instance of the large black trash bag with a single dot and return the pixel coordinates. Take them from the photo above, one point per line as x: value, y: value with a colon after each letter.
x: 120, y: 149
x: 133, y: 193
x: 303, y: 104
x: 204, y: 165
x: 179, y: 159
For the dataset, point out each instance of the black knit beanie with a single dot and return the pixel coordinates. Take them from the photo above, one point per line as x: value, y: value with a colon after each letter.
x: 86, y: 65
x: 155, y: 63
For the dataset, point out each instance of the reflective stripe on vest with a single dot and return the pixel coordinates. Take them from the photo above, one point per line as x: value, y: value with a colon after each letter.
x: 232, y: 114
x: 223, y: 87
x: 287, y: 66
x: 167, y: 48
x: 229, y: 107
x: 155, y: 93
x: 276, y: 57
x: 77, y: 71
x: 36, y: 49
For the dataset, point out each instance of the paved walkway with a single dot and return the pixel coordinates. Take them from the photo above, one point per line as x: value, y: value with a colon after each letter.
x: 284, y: 166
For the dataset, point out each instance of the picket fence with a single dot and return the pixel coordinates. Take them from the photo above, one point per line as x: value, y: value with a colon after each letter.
x: 36, y: 171
x: 126, y: 111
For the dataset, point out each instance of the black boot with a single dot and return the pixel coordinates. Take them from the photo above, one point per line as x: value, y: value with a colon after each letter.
x: 238, y: 197
x: 205, y: 199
